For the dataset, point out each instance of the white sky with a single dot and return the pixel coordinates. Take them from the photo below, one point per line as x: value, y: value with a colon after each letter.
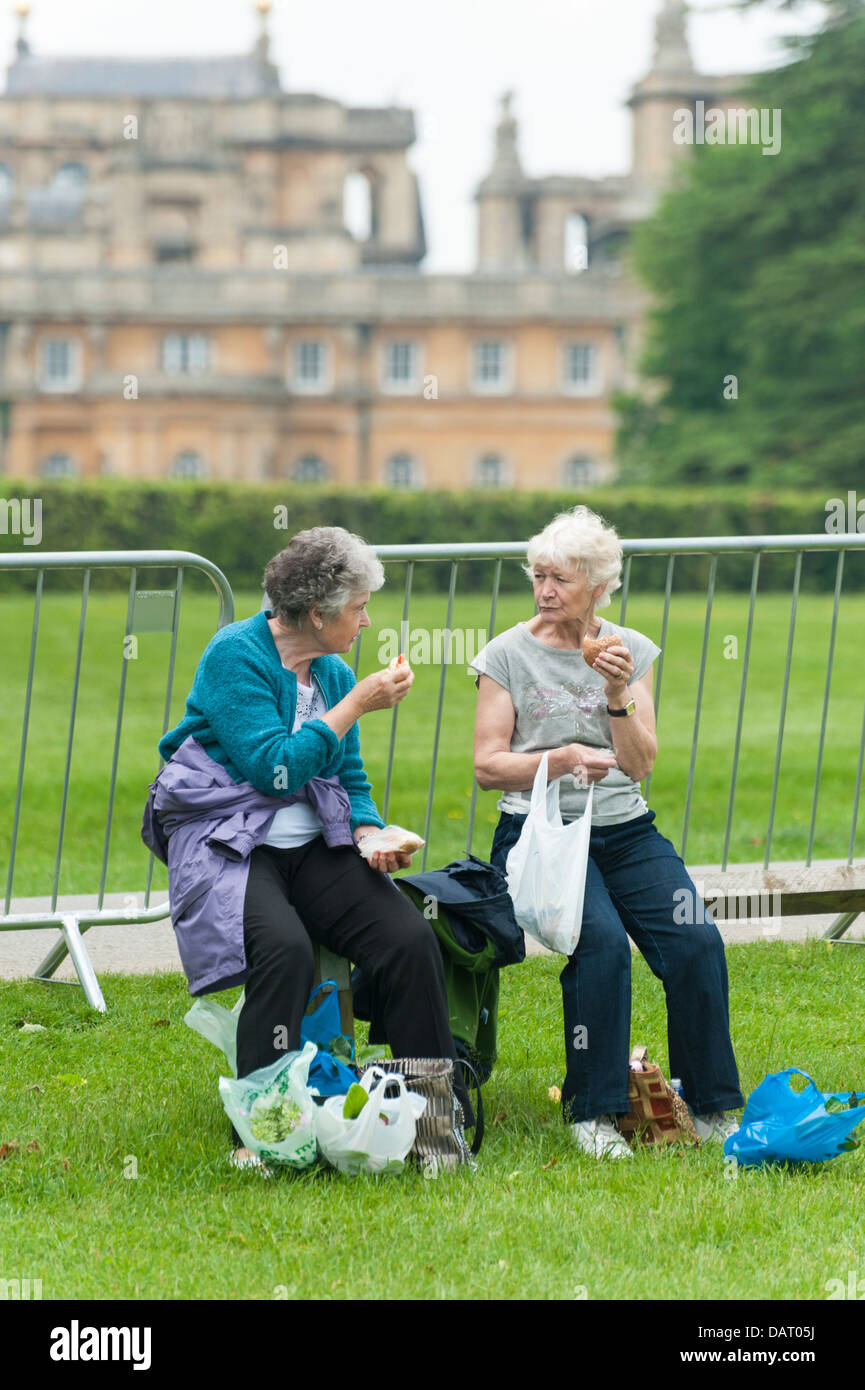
x: 571, y: 64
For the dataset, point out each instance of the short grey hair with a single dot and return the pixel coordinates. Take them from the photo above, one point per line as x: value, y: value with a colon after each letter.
x: 580, y: 539
x: 321, y: 568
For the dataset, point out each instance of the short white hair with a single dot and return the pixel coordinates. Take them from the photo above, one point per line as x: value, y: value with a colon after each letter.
x: 581, y: 540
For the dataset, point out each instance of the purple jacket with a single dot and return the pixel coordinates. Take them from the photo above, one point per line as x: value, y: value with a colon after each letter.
x: 204, y: 825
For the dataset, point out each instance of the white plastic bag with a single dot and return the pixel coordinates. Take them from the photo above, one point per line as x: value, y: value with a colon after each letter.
x: 218, y: 1025
x: 546, y: 868
x: 379, y: 1138
x: 273, y: 1111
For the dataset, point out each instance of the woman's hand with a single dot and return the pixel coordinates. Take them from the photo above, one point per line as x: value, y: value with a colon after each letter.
x: 617, y: 666
x: 582, y: 762
x: 383, y: 689
x: 385, y: 863
x: 389, y: 863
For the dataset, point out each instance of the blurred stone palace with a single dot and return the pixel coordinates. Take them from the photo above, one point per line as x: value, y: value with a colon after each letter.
x: 204, y: 275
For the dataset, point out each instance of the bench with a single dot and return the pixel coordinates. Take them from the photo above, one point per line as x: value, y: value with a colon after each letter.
x: 788, y: 890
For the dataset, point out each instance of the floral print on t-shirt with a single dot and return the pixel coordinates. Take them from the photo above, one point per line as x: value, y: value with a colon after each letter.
x: 570, y: 698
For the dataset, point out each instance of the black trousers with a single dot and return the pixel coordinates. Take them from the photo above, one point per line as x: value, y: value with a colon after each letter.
x: 297, y: 896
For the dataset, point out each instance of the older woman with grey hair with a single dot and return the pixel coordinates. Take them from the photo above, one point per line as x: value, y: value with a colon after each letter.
x: 274, y: 704
x: 541, y: 688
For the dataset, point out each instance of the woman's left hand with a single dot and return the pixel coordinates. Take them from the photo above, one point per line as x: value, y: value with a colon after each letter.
x: 616, y: 665
x: 389, y: 863
x: 384, y: 863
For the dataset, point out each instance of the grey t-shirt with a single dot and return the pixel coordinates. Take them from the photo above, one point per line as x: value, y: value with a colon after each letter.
x: 558, y: 700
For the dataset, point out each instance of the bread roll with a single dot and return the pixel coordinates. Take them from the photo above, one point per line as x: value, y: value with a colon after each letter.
x: 593, y: 646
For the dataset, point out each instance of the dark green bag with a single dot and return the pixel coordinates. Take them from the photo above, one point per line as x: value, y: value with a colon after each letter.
x: 472, y: 981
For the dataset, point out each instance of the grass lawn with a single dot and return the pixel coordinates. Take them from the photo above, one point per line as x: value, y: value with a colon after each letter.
x: 103, y: 662
x: 538, y: 1220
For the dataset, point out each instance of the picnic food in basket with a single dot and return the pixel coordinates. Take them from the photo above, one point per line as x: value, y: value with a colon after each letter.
x: 393, y: 839
x: 593, y: 646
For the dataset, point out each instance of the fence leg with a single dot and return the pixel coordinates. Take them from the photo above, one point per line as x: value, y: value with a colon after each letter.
x: 841, y: 924
x: 58, y: 953
x: 72, y: 943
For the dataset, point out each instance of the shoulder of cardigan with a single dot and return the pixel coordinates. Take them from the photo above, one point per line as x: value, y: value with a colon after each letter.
x: 324, y: 666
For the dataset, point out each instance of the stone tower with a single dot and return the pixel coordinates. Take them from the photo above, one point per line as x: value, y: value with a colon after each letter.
x: 501, y: 200
x: 565, y: 224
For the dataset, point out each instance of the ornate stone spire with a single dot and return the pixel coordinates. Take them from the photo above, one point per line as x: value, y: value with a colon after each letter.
x: 672, y: 53
x: 506, y: 169
x: 262, y: 46
x: 22, y: 46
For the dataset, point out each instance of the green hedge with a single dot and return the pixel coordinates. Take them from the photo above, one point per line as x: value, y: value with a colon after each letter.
x: 233, y: 524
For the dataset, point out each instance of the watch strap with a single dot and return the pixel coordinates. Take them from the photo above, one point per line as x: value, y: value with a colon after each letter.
x: 622, y: 713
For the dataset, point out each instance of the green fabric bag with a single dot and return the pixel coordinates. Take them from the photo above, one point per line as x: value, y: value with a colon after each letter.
x: 472, y: 982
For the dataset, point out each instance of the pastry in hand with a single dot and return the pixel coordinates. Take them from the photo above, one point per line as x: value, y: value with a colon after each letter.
x: 593, y: 646
x: 398, y: 663
x: 393, y: 839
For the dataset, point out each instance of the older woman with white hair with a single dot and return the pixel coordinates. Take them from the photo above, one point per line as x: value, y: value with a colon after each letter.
x: 538, y: 692
x: 264, y: 802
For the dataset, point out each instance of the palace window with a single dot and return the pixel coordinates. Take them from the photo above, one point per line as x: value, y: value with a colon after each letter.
x: 310, y: 469
x: 185, y: 352
x: 491, y: 366
x: 491, y: 471
x: 402, y: 471
x: 579, y: 471
x: 189, y: 464
x: 59, y: 364
x: 580, y: 369
x: 400, y: 370
x: 310, y: 366
x: 59, y: 466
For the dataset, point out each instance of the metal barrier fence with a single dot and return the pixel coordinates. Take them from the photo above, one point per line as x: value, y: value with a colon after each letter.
x: 147, y: 610
x: 159, y: 610
x: 715, y: 548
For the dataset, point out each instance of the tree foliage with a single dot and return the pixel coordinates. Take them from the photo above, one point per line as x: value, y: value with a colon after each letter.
x: 756, y: 264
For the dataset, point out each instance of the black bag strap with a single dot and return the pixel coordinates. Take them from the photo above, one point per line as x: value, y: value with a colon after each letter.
x: 471, y: 1077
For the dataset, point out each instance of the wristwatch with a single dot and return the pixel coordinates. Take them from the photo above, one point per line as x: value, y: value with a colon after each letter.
x: 622, y: 713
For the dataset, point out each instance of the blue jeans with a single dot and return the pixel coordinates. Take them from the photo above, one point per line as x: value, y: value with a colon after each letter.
x: 633, y: 874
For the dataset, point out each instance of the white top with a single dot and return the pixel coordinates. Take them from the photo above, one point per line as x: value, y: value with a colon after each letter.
x: 299, y: 823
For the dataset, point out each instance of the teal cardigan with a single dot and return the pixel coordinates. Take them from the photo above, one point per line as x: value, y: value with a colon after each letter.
x: 241, y: 710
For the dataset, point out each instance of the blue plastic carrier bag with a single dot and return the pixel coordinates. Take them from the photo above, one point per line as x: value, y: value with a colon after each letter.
x: 328, y: 1074
x: 779, y: 1123
x: 324, y: 1025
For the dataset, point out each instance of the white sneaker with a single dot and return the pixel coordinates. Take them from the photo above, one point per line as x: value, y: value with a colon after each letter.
x: 716, y: 1127
x: 249, y: 1161
x: 600, y: 1138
